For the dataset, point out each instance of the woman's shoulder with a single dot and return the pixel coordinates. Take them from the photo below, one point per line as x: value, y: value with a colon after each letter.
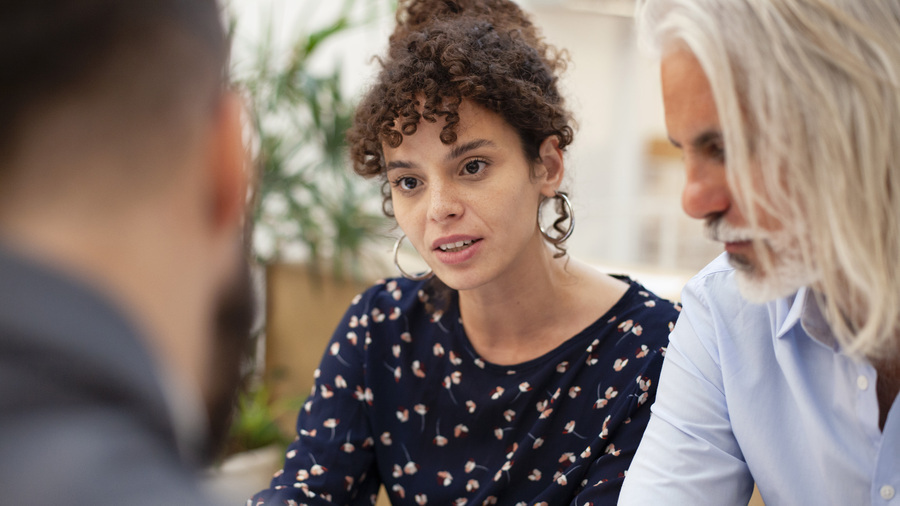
x: 639, y: 298
x: 642, y: 312
x: 390, y: 296
x: 623, y: 300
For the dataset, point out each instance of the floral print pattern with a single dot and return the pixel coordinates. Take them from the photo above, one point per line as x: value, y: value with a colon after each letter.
x: 402, y: 399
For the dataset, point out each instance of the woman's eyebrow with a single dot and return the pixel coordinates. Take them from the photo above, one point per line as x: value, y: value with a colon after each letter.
x: 398, y: 164
x: 462, y: 149
x: 454, y: 153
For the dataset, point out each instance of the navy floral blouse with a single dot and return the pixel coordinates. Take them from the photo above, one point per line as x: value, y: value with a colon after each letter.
x: 402, y: 399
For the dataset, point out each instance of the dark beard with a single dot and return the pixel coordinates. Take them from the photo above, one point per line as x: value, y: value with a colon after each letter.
x: 232, y: 346
x: 741, y: 263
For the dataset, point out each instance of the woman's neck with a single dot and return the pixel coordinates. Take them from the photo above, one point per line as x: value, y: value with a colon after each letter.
x: 524, y: 316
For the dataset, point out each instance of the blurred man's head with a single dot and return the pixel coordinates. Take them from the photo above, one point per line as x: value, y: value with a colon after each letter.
x: 113, y: 82
x: 799, y: 177
x: 121, y: 162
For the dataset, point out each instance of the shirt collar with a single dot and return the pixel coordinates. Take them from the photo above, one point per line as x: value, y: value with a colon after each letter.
x: 803, y: 309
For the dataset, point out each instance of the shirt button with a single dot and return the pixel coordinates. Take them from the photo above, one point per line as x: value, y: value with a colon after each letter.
x: 862, y: 382
x: 887, y: 492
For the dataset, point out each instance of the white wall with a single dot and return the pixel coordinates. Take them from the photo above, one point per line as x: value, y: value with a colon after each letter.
x: 614, y: 92
x: 352, y: 49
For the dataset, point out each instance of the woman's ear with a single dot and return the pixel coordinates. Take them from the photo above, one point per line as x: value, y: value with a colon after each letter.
x: 551, y: 167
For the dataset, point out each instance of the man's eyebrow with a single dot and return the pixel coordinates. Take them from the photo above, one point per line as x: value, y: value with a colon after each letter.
x: 701, y: 140
x: 462, y: 149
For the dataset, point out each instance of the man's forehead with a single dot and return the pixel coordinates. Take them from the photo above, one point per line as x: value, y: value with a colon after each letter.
x: 687, y: 97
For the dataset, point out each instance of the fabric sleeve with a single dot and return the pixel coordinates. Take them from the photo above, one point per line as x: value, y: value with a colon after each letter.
x: 332, y: 459
x: 689, y: 454
x: 620, y: 434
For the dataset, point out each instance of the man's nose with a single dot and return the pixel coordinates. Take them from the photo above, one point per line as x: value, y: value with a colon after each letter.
x: 706, y: 189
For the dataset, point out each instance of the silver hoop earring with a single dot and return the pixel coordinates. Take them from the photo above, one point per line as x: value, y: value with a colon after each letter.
x: 415, y: 277
x: 568, y: 213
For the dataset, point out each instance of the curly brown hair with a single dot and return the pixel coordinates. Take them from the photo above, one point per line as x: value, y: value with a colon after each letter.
x: 484, y: 51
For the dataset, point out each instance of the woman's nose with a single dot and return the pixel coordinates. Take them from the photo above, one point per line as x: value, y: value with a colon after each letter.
x: 445, y: 202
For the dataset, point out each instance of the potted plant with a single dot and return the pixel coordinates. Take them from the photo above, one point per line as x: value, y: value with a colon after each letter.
x: 315, y: 220
x: 255, y: 445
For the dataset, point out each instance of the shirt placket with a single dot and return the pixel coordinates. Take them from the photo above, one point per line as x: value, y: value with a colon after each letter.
x: 886, y: 476
x: 885, y: 481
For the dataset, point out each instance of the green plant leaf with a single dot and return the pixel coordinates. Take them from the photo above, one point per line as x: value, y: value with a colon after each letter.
x: 307, y: 193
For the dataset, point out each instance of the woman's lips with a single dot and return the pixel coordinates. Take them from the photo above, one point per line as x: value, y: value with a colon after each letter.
x: 456, y: 249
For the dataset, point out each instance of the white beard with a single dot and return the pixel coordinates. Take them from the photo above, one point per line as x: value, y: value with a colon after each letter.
x: 788, y: 272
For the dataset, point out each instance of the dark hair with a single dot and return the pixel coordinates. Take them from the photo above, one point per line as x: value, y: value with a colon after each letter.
x: 487, y: 52
x: 484, y: 51
x: 150, y: 55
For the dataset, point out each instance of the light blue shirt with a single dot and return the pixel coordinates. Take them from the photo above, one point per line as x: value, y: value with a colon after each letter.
x: 761, y: 392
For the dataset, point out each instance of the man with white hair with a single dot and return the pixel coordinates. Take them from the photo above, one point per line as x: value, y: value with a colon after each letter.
x: 785, y: 362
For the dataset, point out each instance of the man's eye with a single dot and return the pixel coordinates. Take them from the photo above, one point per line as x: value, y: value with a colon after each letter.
x: 716, y: 151
x: 474, y: 167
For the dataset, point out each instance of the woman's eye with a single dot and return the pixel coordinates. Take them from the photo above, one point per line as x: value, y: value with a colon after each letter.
x: 407, y: 183
x: 474, y: 167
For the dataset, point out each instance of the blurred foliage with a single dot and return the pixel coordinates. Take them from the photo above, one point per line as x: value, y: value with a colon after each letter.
x: 307, y: 192
x: 255, y: 420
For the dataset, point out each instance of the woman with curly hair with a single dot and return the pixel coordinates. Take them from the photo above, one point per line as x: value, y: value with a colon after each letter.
x: 508, y: 373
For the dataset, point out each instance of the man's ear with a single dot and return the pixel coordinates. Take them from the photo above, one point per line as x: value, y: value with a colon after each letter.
x: 551, y: 166
x: 228, y: 164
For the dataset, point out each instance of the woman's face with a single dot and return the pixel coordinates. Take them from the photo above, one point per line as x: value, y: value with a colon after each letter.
x: 470, y: 208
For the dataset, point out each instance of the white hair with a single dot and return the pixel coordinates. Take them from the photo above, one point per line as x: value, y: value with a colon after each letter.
x: 808, y: 96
